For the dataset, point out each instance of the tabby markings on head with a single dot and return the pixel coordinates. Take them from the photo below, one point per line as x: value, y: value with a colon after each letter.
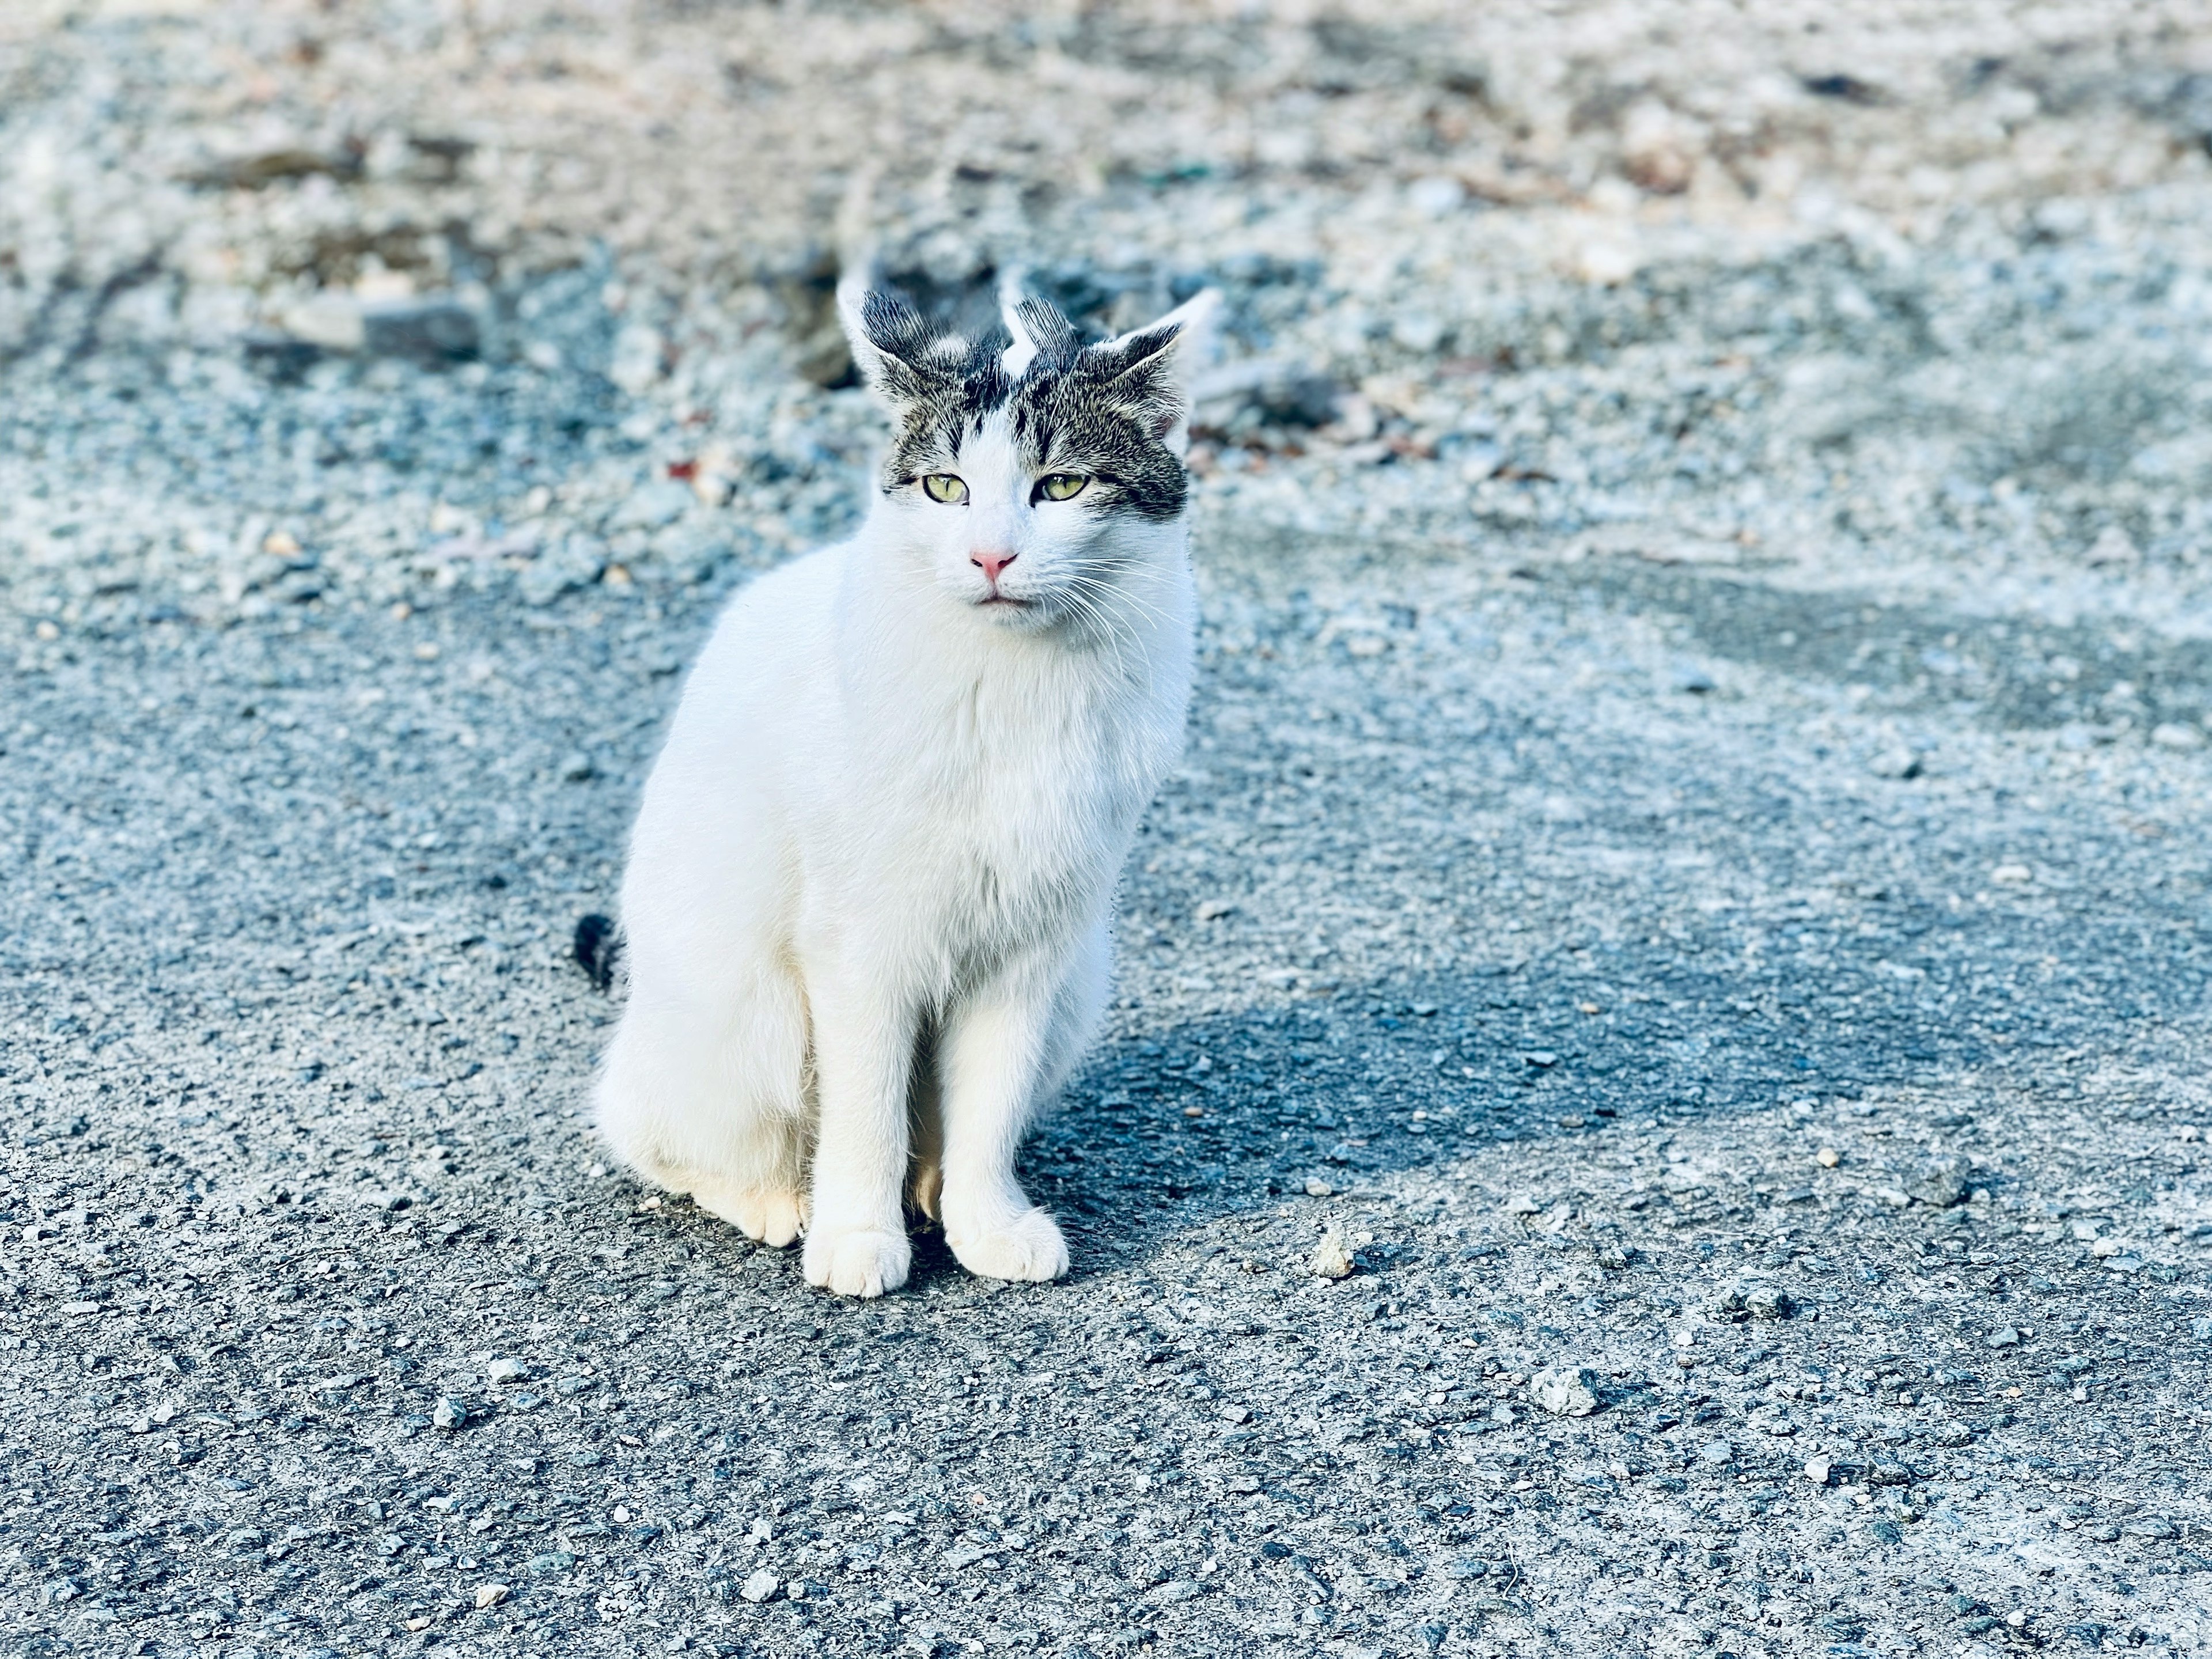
x: 1100, y: 409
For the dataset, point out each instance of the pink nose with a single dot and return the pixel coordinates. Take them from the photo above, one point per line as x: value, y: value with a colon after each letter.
x: 991, y: 562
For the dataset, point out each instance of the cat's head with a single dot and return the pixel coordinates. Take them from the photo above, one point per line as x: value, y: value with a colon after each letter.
x: 1039, y: 480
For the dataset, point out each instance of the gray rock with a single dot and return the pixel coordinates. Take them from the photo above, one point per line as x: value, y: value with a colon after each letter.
x: 1940, y: 1181
x: 1284, y: 392
x: 1716, y: 1454
x: 433, y: 328
x: 1767, y: 1302
x: 2006, y: 1336
x: 449, y: 1413
x: 761, y: 1586
x: 507, y: 1371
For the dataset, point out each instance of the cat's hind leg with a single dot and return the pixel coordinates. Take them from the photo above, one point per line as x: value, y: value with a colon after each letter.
x: 774, y: 1217
x: 712, y: 1103
x: 925, y: 1112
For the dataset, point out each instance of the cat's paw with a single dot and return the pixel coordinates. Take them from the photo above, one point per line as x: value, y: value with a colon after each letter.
x: 776, y: 1218
x: 1027, y: 1246
x: 859, y: 1262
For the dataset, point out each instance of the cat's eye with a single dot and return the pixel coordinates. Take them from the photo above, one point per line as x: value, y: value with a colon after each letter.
x: 947, y: 487
x: 1061, y: 486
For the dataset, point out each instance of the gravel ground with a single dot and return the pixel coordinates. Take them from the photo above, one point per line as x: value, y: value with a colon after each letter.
x: 1687, y: 897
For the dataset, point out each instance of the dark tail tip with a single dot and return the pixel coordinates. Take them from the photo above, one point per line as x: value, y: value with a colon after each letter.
x: 597, y: 949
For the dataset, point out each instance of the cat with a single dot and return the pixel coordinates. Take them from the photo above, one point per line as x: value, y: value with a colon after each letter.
x: 869, y: 897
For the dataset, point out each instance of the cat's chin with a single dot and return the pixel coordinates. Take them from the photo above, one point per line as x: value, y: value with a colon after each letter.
x: 1027, y: 614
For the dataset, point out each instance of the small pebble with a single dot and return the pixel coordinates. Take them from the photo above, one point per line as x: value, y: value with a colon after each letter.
x: 1331, y: 1259
x: 1564, y: 1391
x: 761, y: 1587
x: 491, y: 1596
x: 1768, y: 1303
x: 1940, y: 1182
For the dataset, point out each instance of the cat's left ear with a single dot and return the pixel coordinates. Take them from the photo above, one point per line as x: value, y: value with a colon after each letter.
x: 1149, y: 368
x: 901, y: 357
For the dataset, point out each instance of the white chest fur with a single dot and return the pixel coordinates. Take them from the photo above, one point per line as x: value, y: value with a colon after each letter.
x: 996, y: 781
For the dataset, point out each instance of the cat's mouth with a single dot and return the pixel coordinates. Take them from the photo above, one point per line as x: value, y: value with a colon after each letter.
x: 1007, y: 600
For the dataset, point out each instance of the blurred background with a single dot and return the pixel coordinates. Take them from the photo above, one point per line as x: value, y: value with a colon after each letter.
x: 1891, y: 241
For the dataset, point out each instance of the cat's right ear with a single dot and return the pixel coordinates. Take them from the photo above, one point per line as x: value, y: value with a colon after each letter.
x: 901, y: 357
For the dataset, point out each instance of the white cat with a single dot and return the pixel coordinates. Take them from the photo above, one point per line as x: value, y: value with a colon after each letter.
x: 870, y: 892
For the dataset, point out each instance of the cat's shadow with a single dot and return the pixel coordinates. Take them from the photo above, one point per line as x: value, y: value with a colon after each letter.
x: 1168, y: 1127
x: 1173, y: 1123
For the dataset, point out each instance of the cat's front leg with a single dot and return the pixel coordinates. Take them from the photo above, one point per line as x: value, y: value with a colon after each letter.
x: 1004, y: 1051
x: 856, y: 1242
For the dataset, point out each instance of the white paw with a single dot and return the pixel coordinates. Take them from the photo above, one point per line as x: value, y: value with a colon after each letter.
x: 1026, y: 1246
x: 774, y: 1219
x: 862, y: 1262
x: 922, y: 1192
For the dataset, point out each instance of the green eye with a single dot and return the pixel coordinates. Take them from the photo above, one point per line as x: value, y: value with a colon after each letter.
x: 946, y: 486
x: 1061, y: 486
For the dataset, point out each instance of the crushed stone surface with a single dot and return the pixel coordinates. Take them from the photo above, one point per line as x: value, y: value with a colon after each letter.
x: 1656, y: 1099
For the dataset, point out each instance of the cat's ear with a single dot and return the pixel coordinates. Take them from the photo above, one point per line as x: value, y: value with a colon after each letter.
x: 1149, y: 368
x: 1037, y: 328
x: 902, y: 358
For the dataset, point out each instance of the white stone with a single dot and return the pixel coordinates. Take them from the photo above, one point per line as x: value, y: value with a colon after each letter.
x: 1564, y: 1391
x: 1331, y: 1259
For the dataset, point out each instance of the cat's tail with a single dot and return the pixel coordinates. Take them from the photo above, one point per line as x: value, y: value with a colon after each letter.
x: 597, y: 949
